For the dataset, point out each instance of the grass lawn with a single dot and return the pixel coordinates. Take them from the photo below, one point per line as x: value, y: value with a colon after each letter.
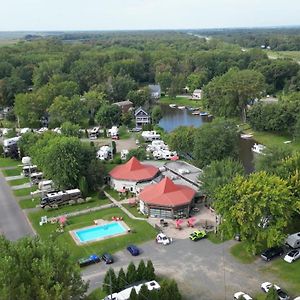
x: 12, y: 172
x: 134, y: 211
x: 18, y: 181
x: 24, y: 192
x: 113, y: 193
x: 290, y: 273
x: 240, y: 253
x: 180, y: 101
x: 28, y: 203
x: 96, y: 295
x: 8, y: 162
x: 141, y: 231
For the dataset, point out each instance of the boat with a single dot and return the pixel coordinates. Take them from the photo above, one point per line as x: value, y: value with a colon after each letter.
x: 258, y: 148
x: 246, y: 136
x: 203, y: 114
x: 181, y: 107
x: 197, y: 113
x: 172, y: 105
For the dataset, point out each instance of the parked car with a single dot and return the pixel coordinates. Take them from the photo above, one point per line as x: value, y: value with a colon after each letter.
x: 281, y: 294
x: 270, y: 253
x: 134, y: 250
x: 198, y: 235
x: 292, y: 256
x: 293, y: 240
x: 107, y: 258
x: 241, y: 295
x: 92, y: 259
x: 163, y: 239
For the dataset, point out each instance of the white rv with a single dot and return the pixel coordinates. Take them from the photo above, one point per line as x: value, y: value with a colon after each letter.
x: 156, y: 146
x: 164, y: 154
x: 124, y: 154
x: 150, y: 136
x: 104, y: 153
x: 36, y: 177
x: 26, y: 161
x: 293, y: 240
x: 94, y: 133
x: 46, y: 185
x: 113, y: 132
x: 28, y: 170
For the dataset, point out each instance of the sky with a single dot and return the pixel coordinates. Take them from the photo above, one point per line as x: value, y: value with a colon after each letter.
x: 31, y: 15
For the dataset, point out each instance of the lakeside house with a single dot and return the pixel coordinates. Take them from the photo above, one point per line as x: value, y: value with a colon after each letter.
x: 197, y: 94
x: 125, y: 106
x: 141, y: 118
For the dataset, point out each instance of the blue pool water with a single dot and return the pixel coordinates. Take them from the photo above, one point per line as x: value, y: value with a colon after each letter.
x: 101, y: 231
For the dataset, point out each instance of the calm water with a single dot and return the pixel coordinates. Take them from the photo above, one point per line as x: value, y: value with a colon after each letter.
x: 174, y: 117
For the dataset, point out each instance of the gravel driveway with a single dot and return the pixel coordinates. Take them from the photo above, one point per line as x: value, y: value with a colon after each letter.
x: 200, y: 269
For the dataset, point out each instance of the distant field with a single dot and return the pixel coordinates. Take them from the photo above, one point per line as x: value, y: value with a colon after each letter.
x: 295, y: 55
x: 8, y: 42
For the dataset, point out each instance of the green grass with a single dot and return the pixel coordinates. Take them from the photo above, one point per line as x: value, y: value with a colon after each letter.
x: 18, y: 181
x: 215, y: 238
x: 180, y: 101
x: 12, y: 172
x: 295, y: 55
x: 96, y: 295
x: 24, y: 192
x: 141, y: 231
x: 113, y: 193
x: 240, y: 253
x: 28, y: 203
x: 134, y: 211
x: 124, y: 134
x: 290, y: 273
x: 8, y: 162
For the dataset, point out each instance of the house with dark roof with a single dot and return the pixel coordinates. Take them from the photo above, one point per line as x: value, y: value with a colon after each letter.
x: 155, y: 91
x: 125, y: 106
x: 141, y: 118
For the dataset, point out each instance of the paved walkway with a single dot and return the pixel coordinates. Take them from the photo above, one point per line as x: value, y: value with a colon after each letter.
x: 13, y: 222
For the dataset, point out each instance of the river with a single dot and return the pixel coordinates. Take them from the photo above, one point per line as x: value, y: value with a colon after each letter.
x: 174, y: 117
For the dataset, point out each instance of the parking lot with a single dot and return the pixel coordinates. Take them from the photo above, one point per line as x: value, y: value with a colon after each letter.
x: 203, y: 270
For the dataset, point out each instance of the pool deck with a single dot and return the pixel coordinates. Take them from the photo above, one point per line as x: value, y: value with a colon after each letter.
x: 99, y: 222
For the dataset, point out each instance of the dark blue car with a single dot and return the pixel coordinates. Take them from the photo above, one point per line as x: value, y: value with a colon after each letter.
x: 134, y: 250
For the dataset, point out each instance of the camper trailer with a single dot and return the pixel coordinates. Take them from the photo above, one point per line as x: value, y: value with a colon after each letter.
x: 10, y: 147
x: 164, y: 154
x: 60, y: 198
x: 124, y: 154
x: 104, y: 153
x: 26, y: 161
x: 150, y: 136
x: 46, y: 185
x: 113, y: 132
x: 156, y: 146
x: 293, y: 240
x: 28, y: 170
x: 94, y: 133
x: 36, y: 177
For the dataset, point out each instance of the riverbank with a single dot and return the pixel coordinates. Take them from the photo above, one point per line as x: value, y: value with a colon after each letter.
x: 181, y: 101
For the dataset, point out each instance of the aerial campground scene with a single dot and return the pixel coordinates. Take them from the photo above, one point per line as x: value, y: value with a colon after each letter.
x: 150, y: 150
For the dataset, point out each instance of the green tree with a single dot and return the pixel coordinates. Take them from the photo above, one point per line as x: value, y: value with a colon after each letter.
x: 141, y: 271
x: 182, y: 139
x: 150, y: 271
x: 246, y: 203
x: 122, y: 283
x: 69, y: 129
x: 110, y: 282
x: 196, y: 80
x: 83, y: 186
x: 133, y: 295
x: 93, y: 100
x: 131, y: 274
x: 120, y: 87
x: 44, y: 271
x: 144, y: 293
x: 219, y: 173
x: 139, y: 97
x: 156, y: 114
x: 139, y: 153
x: 215, y: 141
x: 272, y: 294
x: 164, y: 79
x: 108, y: 115
x: 297, y: 129
x: 26, y: 142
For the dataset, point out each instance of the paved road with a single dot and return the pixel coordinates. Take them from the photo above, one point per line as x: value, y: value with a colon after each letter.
x: 13, y: 222
x: 200, y: 269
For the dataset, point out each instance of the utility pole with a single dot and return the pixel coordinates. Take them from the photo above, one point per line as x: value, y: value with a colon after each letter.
x: 110, y: 285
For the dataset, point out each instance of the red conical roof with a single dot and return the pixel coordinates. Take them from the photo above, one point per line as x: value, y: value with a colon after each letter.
x: 167, y: 193
x: 134, y: 170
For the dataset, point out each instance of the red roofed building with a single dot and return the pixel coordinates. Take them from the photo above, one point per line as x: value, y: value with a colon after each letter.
x: 166, y: 199
x: 128, y: 175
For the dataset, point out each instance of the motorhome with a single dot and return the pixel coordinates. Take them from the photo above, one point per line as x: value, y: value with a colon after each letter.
x: 28, y: 170
x: 36, y: 177
x: 104, y: 153
x: 113, y: 132
x: 60, y: 198
x: 150, y: 136
x: 156, y: 146
x: 164, y: 154
x: 94, y: 133
x: 124, y: 154
x: 26, y: 161
x: 125, y: 294
x: 46, y: 185
x: 293, y: 240
x: 10, y: 147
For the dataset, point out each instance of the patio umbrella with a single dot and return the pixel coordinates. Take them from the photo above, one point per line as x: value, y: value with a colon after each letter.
x: 122, y: 191
x: 178, y: 223
x: 176, y: 157
x: 132, y: 201
x: 62, y: 219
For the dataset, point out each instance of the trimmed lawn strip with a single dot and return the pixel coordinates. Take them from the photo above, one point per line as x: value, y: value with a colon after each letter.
x: 8, y: 162
x: 290, y: 273
x: 134, y: 211
x: 28, y: 203
x: 18, y: 181
x: 181, y: 101
x: 24, y: 192
x: 12, y: 172
x: 113, y: 193
x: 141, y: 231
x: 240, y: 253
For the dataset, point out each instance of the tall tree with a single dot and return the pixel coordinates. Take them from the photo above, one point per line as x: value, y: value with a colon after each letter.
x: 182, y: 139
x: 108, y: 115
x: 150, y: 271
x: 141, y: 271
x: 131, y: 274
x: 122, y: 283
x: 156, y: 114
x: 34, y: 269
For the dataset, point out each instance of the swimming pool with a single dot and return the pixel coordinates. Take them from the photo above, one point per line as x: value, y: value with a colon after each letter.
x: 98, y: 232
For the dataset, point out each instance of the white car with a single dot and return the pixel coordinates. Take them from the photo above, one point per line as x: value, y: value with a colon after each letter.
x: 281, y: 294
x: 241, y: 295
x: 163, y: 239
x: 292, y: 256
